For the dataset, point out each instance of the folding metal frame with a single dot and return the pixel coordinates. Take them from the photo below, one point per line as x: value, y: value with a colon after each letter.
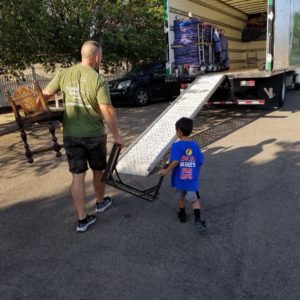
x: 113, y: 178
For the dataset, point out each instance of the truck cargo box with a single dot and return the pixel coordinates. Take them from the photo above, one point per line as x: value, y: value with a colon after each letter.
x: 278, y: 45
x: 263, y: 47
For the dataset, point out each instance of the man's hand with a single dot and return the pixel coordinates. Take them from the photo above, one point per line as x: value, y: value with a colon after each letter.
x: 119, y: 141
x: 47, y: 94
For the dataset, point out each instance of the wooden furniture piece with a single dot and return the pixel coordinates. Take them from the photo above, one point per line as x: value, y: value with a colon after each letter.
x: 112, y: 178
x: 30, y: 107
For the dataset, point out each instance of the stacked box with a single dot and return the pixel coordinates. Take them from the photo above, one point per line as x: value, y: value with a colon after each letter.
x: 186, y: 38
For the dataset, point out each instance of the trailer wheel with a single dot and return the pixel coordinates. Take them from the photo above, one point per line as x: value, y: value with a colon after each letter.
x: 281, y: 100
x: 141, y: 97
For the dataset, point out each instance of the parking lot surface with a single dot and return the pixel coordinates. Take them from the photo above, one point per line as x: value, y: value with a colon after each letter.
x: 139, y: 250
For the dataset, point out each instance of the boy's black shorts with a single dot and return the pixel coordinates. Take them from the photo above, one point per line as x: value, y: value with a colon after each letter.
x: 81, y: 151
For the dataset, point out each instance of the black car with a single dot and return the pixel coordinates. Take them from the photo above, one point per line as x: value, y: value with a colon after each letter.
x: 143, y: 84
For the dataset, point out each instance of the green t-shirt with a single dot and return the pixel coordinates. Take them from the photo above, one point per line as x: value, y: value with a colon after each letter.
x: 83, y: 90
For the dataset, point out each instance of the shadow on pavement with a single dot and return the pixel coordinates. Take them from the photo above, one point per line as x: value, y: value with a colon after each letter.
x: 139, y: 250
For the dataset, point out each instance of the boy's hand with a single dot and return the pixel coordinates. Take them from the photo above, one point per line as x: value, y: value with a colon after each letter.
x: 163, y: 172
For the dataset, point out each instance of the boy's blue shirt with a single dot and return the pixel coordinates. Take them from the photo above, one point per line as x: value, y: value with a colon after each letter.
x: 186, y: 175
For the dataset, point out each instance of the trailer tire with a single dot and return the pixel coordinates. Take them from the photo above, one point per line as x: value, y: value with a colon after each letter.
x: 281, y: 100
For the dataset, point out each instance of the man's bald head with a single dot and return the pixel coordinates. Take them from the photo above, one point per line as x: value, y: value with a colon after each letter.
x: 90, y: 49
x: 91, y: 54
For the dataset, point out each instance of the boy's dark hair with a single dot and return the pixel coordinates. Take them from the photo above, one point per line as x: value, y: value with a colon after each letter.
x: 185, y: 125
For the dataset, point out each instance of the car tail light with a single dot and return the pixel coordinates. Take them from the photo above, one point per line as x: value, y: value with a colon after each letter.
x: 183, y: 86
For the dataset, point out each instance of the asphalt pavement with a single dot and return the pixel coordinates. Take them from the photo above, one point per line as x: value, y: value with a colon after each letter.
x: 139, y: 250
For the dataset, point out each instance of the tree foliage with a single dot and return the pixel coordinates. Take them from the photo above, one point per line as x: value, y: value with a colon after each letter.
x: 52, y: 31
x: 133, y: 31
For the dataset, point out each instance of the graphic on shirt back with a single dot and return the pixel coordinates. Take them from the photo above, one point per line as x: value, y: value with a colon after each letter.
x: 77, y: 93
x: 187, y: 163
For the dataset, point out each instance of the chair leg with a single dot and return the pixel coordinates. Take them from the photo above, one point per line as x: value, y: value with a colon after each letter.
x: 28, y: 153
x: 56, y: 146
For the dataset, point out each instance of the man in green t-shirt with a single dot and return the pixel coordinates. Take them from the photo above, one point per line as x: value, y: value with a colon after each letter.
x: 87, y: 105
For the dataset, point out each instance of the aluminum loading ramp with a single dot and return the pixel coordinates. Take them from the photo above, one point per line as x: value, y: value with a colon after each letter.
x: 148, y: 149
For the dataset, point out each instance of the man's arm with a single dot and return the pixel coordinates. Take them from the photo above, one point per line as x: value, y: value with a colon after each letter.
x: 52, y: 88
x: 110, y: 119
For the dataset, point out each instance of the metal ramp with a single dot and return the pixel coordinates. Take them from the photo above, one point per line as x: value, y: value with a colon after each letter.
x: 148, y: 149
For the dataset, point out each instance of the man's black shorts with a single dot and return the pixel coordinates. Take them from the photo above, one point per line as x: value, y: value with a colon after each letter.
x: 81, y: 151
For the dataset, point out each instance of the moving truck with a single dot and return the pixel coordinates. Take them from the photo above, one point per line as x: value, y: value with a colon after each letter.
x: 263, y: 47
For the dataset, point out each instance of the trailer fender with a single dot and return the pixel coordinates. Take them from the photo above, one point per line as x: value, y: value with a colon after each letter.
x: 273, y: 90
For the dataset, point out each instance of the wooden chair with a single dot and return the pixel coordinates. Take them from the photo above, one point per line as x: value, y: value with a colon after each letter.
x: 30, y: 107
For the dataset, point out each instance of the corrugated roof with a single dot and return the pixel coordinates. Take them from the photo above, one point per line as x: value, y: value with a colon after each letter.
x: 248, y: 6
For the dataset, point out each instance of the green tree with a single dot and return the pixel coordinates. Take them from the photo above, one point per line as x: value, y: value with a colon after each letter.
x: 52, y: 31
x: 20, y: 28
x: 133, y: 31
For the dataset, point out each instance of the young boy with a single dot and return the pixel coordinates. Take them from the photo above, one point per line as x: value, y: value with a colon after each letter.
x: 185, y: 161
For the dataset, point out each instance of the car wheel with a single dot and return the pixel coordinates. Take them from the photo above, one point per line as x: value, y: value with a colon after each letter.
x: 141, y: 97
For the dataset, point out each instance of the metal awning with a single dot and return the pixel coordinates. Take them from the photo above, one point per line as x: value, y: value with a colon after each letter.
x: 248, y: 6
